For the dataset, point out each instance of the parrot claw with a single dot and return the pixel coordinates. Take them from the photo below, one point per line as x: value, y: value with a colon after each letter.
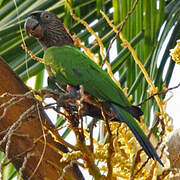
x: 71, y: 93
x: 63, y: 98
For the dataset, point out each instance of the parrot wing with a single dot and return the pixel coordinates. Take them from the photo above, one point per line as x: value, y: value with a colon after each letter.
x: 73, y: 67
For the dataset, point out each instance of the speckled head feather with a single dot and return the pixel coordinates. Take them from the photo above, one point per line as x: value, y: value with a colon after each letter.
x: 48, y: 29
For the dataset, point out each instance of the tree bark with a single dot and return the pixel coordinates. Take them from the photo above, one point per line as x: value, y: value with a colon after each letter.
x: 24, y: 134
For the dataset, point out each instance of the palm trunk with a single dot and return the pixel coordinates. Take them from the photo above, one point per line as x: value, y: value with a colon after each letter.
x: 21, y: 134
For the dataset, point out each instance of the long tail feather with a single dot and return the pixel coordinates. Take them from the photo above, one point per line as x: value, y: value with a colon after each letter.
x: 125, y: 117
x: 135, y: 111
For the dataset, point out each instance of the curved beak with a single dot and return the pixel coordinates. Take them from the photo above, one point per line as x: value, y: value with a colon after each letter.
x: 32, y: 27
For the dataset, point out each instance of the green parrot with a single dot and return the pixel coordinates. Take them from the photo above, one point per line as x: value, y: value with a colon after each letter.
x: 69, y: 66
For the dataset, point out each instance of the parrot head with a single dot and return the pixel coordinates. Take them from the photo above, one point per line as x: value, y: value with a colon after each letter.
x: 48, y: 29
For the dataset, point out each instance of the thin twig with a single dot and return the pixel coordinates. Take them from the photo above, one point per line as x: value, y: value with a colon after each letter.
x: 134, y: 165
x: 138, y: 153
x: 17, y: 156
x: 16, y: 124
x: 143, y: 165
x: 66, y: 168
x: 110, y: 147
x: 31, y: 54
x: 16, y: 98
x: 165, y: 173
x: 150, y: 133
x: 30, y: 154
x: 159, y: 93
x: 44, y: 137
x: 60, y: 140
x: 154, y: 126
x: 91, y: 136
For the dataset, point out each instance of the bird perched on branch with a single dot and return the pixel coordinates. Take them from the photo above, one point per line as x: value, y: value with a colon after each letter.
x: 69, y: 66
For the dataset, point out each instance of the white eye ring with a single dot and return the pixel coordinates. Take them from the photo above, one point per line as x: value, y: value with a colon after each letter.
x: 46, y: 16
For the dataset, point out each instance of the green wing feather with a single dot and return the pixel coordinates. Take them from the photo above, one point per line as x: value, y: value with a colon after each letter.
x: 71, y: 66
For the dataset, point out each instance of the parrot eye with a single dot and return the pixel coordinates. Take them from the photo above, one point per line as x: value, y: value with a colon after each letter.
x: 45, y: 16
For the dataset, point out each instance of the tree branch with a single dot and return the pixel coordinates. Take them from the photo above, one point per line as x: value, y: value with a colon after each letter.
x: 23, y: 143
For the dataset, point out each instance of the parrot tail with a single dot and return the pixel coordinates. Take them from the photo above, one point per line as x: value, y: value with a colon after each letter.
x: 125, y: 117
x: 135, y: 111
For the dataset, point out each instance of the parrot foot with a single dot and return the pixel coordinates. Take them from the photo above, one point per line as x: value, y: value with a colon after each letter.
x: 70, y: 95
x: 64, y: 98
